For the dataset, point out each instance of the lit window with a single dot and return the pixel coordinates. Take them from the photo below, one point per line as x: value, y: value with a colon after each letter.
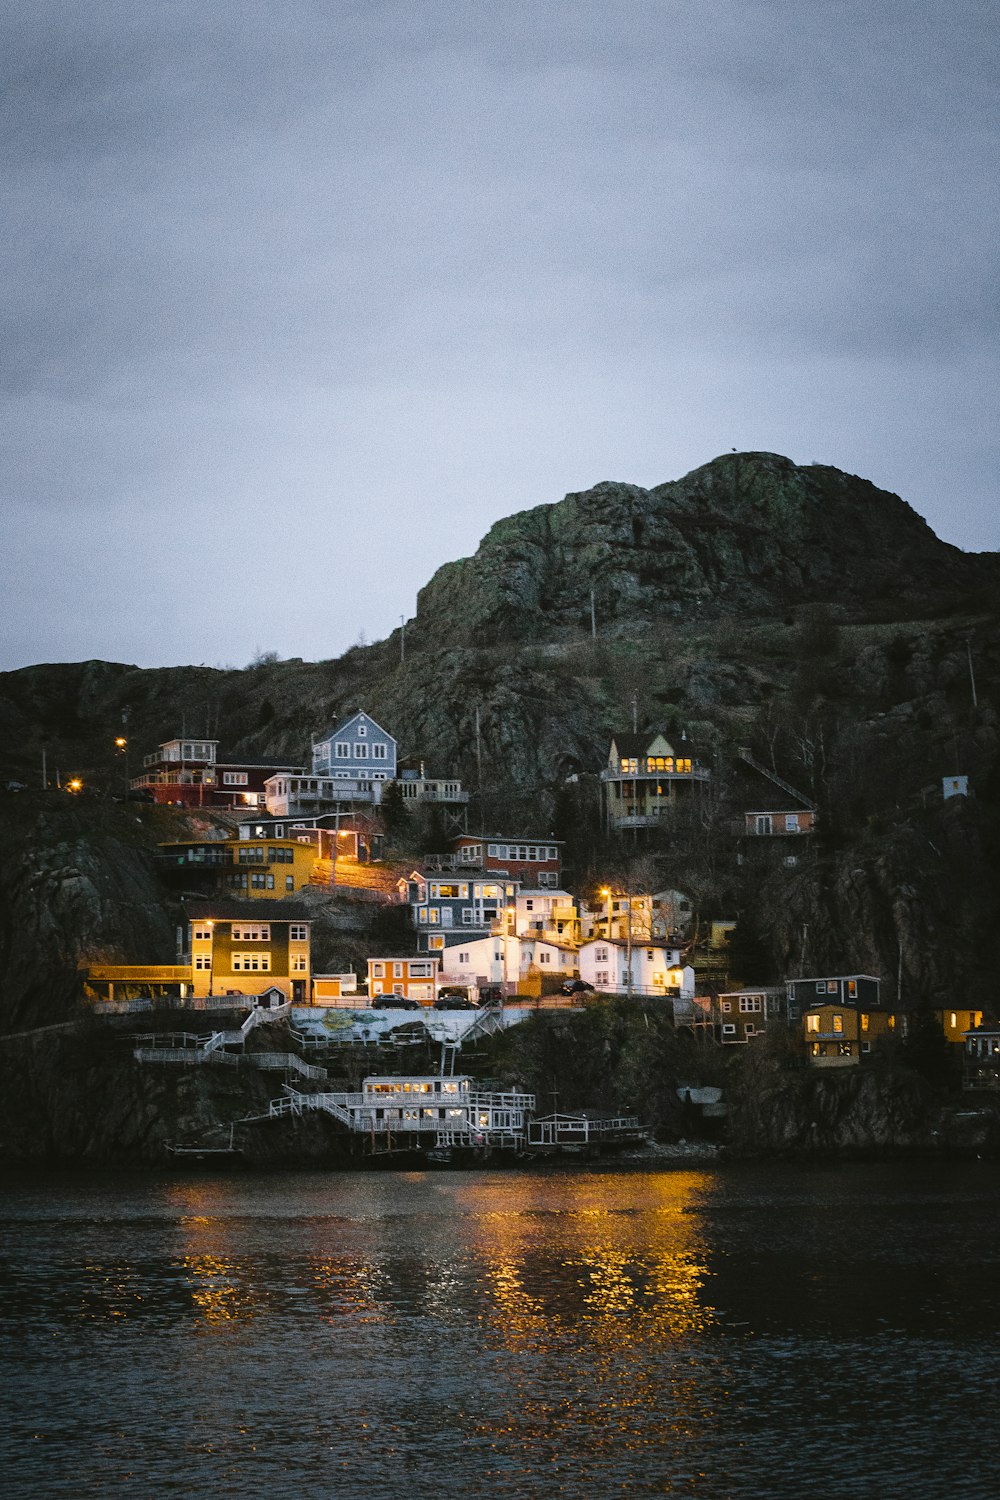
x: 812, y: 1023
x: 838, y: 1023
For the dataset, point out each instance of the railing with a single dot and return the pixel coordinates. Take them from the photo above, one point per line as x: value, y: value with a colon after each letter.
x: 698, y: 772
x: 286, y: 1062
x: 191, y: 1057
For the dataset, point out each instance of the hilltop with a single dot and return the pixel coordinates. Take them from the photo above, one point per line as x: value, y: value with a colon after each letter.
x: 797, y: 610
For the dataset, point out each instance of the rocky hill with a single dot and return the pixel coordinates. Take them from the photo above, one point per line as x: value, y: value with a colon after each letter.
x: 750, y: 533
x: 799, y: 611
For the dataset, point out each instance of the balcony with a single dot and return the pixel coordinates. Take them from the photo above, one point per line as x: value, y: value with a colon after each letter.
x: 698, y: 772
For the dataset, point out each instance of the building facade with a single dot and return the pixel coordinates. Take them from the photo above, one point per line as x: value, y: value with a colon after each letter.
x: 644, y: 779
x: 247, y: 947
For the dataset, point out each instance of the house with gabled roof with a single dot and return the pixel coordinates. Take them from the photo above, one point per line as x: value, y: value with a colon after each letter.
x: 645, y: 777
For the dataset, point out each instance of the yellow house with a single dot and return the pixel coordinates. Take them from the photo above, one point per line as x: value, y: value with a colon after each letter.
x: 837, y: 1036
x: 268, y: 868
x: 243, y: 947
x: 957, y: 1020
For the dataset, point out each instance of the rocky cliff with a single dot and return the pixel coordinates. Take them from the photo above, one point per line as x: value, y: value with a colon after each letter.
x: 749, y: 533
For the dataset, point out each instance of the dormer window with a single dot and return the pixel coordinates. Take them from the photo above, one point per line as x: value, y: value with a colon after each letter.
x: 362, y: 731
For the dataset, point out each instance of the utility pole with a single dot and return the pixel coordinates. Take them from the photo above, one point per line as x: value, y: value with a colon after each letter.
x: 635, y: 714
x: 972, y: 675
x: 479, y: 752
x: 402, y: 639
x: 593, y: 618
x: 45, y: 775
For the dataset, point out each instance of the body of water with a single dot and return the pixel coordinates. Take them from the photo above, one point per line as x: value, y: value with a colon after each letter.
x: 744, y: 1331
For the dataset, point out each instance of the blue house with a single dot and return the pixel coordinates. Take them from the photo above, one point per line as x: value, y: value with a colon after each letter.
x: 357, y: 747
x: 450, y: 909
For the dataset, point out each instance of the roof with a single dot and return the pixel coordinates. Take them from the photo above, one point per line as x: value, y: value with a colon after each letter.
x: 508, y: 838
x: 260, y: 910
x: 635, y: 744
x: 343, y: 724
x: 255, y: 765
x: 826, y: 978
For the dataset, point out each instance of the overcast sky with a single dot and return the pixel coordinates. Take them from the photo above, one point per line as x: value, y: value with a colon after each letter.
x: 300, y: 296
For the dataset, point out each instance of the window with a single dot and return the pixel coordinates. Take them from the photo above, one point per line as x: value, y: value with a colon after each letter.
x: 649, y: 954
x: 529, y: 906
x: 727, y: 1006
x: 865, y: 1021
x: 852, y: 988
x: 866, y: 1046
x: 203, y: 961
x: 821, y: 987
x: 419, y: 970
x: 378, y: 971
x: 299, y: 963
x: 289, y: 882
x: 361, y: 752
x: 831, y: 986
x: 251, y: 963
x: 683, y: 767
x: 234, y: 778
x: 298, y: 932
x: 545, y: 958
x: 838, y: 1023
x: 468, y: 916
x: 729, y: 1030
x: 812, y: 1023
x: 397, y: 971
x: 434, y: 943
x: 380, y: 752
x: 749, y: 1029
x: 815, y: 1049
x: 202, y: 934
x: 844, y: 1049
x: 362, y: 730
x: 256, y: 934
x: 601, y: 955
x: 629, y: 765
x: 342, y: 750
x: 791, y: 823
x: 750, y: 1004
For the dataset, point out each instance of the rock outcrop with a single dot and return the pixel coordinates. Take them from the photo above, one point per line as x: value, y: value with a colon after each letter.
x: 748, y: 533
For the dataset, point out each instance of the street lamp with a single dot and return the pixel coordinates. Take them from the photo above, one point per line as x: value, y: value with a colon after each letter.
x: 121, y: 745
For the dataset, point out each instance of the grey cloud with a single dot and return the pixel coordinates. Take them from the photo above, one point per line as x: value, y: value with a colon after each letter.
x: 405, y: 267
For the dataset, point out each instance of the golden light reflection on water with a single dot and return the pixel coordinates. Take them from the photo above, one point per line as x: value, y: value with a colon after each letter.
x: 216, y: 1290
x: 610, y: 1271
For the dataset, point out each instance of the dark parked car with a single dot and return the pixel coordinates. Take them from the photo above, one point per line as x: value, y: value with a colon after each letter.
x: 491, y: 994
x: 453, y: 1001
x: 396, y: 1002
x: 576, y: 987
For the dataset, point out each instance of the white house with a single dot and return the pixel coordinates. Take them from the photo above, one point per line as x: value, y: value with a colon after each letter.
x: 496, y: 960
x: 547, y: 913
x: 656, y: 970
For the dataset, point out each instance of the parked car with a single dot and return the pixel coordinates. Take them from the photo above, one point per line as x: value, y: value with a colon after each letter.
x: 396, y: 1002
x: 454, y: 1002
x: 576, y: 987
x: 491, y: 994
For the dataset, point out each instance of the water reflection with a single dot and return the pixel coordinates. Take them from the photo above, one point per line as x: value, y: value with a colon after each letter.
x: 512, y: 1334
